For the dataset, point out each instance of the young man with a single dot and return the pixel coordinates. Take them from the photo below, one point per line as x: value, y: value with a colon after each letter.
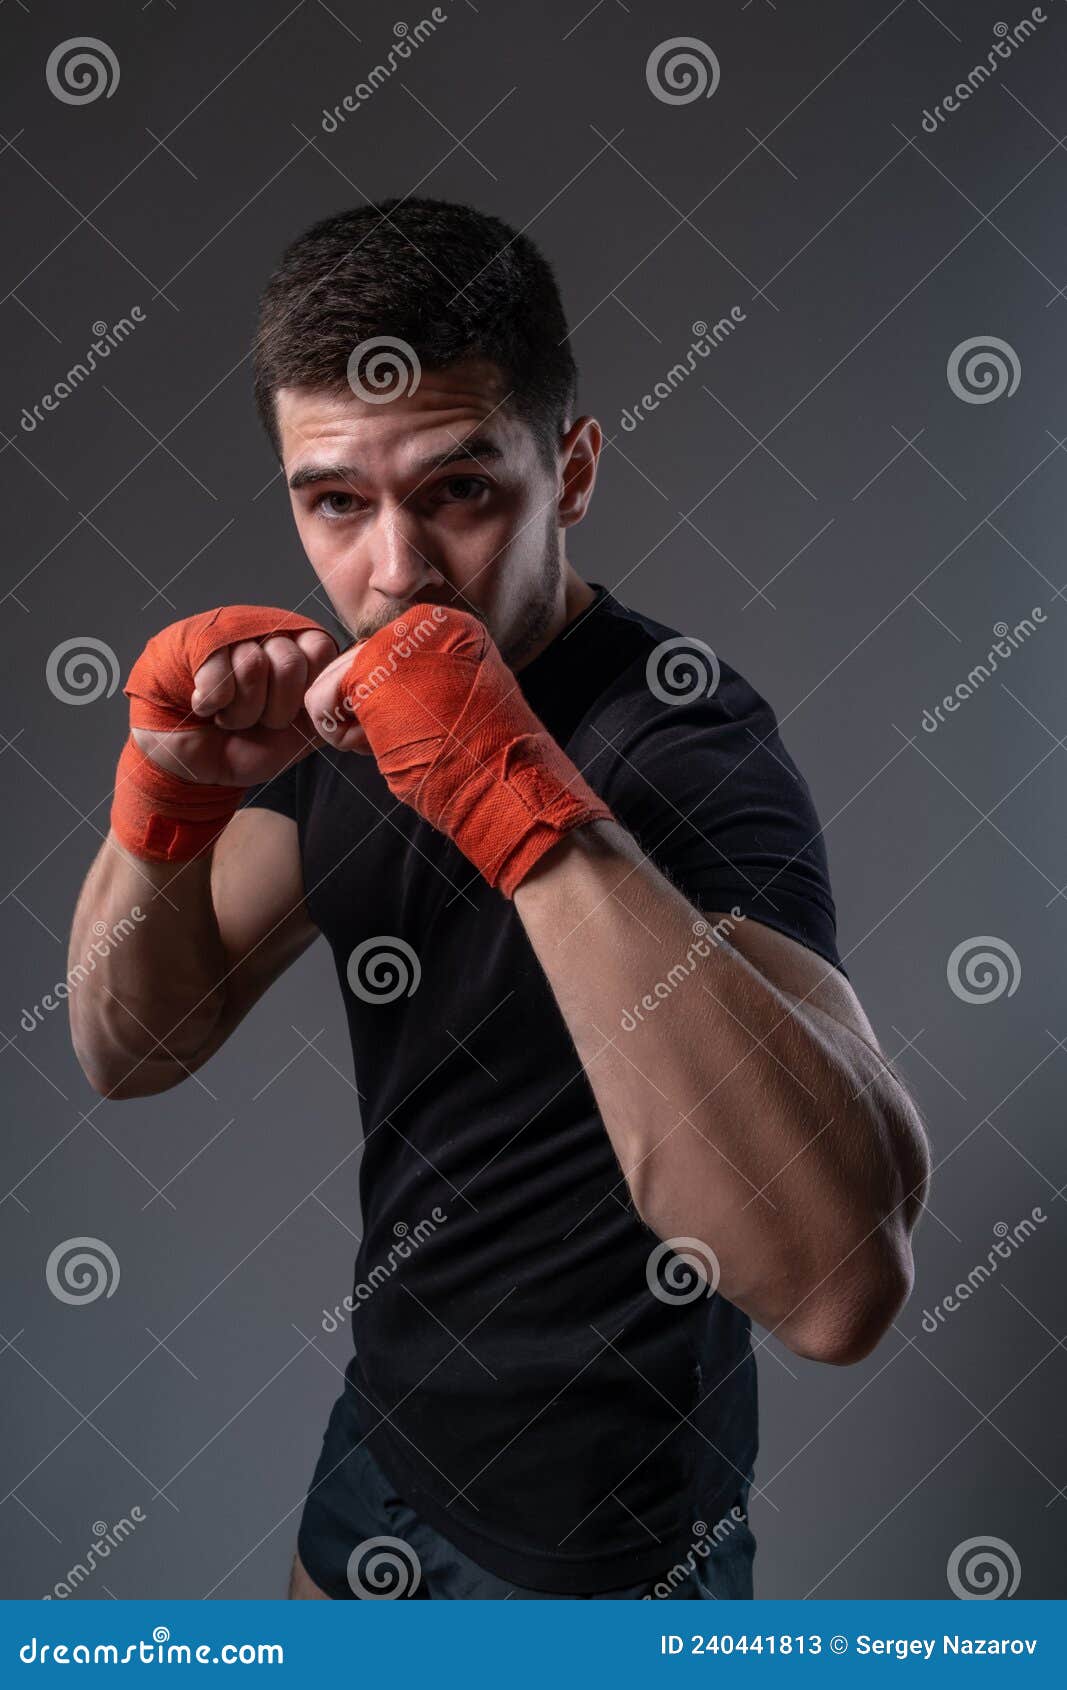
x: 620, y: 1097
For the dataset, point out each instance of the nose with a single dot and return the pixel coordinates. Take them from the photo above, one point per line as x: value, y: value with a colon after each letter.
x: 402, y: 559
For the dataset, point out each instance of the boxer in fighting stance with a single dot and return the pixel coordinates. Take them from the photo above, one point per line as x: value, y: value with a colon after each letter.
x: 620, y: 1099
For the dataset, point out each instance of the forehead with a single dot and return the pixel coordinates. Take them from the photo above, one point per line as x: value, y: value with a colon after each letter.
x: 443, y: 407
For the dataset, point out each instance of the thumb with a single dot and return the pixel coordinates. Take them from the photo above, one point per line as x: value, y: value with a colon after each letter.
x: 327, y: 710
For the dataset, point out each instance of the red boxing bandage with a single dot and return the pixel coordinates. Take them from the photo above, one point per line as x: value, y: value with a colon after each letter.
x: 455, y: 738
x: 155, y: 814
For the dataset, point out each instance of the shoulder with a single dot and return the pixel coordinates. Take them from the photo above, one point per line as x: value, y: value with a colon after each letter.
x: 688, y: 754
x: 677, y: 699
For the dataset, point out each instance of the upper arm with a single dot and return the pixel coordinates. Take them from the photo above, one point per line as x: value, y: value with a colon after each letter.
x: 258, y: 892
x: 713, y: 797
x: 813, y: 983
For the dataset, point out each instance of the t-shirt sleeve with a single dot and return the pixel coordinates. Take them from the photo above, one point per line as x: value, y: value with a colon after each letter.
x: 714, y: 798
x: 278, y: 794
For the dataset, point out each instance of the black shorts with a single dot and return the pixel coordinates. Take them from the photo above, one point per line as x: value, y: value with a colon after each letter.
x: 359, y: 1539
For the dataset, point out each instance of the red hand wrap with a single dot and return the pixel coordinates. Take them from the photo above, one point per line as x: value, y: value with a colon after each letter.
x: 455, y: 738
x: 155, y: 814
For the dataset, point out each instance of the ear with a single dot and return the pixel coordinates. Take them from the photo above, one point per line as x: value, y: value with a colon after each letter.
x: 580, y: 451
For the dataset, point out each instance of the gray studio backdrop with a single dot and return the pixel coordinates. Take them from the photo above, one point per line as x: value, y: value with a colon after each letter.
x: 845, y: 498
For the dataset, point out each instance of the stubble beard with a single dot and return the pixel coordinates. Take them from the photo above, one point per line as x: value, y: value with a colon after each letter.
x: 536, y: 616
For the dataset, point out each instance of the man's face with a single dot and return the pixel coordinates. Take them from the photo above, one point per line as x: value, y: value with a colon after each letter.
x: 437, y: 495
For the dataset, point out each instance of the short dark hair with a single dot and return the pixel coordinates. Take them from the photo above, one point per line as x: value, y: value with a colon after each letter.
x: 396, y: 269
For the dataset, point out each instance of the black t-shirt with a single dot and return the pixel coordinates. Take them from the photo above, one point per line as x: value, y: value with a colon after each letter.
x: 514, y: 1374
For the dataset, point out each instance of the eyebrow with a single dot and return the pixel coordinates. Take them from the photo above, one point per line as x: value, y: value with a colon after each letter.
x: 477, y: 446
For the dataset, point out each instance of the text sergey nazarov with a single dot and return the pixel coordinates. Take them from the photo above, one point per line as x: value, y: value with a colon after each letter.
x: 902, y: 1648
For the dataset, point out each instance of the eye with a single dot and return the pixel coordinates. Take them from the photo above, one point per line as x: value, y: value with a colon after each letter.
x: 464, y: 488
x: 334, y: 505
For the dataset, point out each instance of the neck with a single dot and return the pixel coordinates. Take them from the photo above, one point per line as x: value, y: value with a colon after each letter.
x: 578, y: 595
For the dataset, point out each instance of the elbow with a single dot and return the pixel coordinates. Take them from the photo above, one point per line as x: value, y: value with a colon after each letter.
x: 118, y: 1076
x: 122, y: 1089
x: 119, y: 1085
x: 849, y: 1316
x: 122, y: 1059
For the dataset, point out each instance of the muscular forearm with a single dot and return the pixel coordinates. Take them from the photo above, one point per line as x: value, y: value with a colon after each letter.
x: 764, y: 1129
x: 146, y: 964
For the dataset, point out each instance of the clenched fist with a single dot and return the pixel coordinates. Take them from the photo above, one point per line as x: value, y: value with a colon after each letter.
x: 216, y: 705
x: 431, y: 698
